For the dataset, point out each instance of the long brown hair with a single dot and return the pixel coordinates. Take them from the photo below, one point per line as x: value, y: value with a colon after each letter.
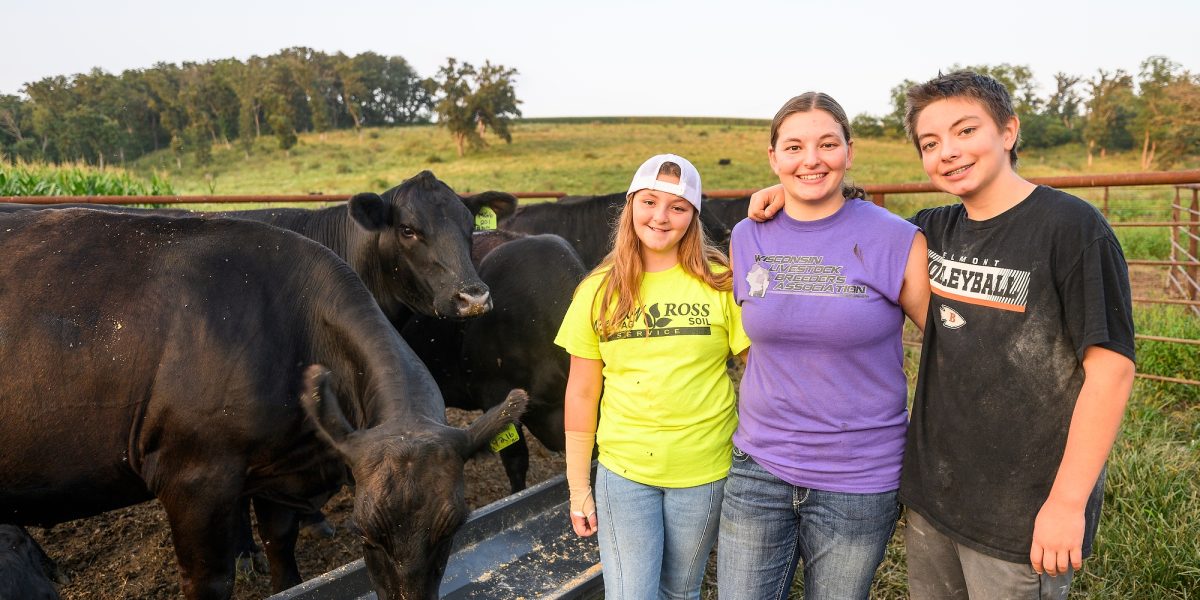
x: 622, y: 269
x: 808, y: 102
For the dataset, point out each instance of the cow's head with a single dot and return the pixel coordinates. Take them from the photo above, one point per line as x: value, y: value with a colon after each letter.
x: 408, y: 497
x: 418, y: 252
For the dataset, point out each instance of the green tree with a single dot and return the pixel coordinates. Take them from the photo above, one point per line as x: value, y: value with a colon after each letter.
x: 867, y: 125
x: 494, y: 100
x: 1155, y: 110
x: 893, y: 122
x: 472, y: 101
x: 1110, y: 110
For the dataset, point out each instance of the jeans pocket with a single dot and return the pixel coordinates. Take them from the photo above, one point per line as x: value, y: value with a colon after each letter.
x: 739, y: 456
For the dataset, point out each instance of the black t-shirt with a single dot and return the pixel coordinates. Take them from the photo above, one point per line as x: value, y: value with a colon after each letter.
x: 1016, y: 301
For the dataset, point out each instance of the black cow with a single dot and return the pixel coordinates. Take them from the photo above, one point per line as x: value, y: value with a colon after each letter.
x: 587, y: 222
x: 410, y: 245
x: 26, y: 573
x: 729, y: 211
x: 532, y: 279
x: 177, y: 358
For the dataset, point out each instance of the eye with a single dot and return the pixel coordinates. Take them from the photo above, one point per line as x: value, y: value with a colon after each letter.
x: 829, y: 145
x: 647, y: 202
x: 679, y: 208
x: 927, y: 146
x: 792, y: 148
x: 967, y: 131
x: 407, y: 231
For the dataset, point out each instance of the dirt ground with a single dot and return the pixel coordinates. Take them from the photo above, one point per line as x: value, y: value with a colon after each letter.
x: 127, y: 554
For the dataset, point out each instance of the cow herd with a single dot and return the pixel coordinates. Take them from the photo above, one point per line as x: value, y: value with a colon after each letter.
x: 220, y: 360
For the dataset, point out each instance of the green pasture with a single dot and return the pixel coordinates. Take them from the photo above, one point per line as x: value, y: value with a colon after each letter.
x: 1149, y: 541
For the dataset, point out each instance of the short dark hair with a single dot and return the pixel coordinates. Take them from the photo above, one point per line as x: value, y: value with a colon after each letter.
x: 670, y: 168
x: 960, y: 84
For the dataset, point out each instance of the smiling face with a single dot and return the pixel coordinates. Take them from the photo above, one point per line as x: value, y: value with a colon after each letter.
x: 810, y: 156
x: 963, y: 150
x: 660, y: 219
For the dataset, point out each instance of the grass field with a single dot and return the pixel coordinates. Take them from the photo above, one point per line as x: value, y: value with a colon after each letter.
x: 1149, y: 540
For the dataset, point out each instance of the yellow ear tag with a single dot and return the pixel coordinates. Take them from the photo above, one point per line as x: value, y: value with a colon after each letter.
x: 485, y: 220
x: 504, y: 439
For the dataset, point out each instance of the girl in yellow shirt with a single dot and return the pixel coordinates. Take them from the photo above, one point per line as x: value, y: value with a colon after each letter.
x: 649, y: 331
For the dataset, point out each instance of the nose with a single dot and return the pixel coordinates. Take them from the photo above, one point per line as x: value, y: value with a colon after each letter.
x: 473, y: 301
x: 660, y: 214
x: 810, y: 158
x: 949, y: 151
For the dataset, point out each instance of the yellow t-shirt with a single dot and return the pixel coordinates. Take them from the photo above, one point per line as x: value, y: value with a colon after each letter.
x: 667, y: 412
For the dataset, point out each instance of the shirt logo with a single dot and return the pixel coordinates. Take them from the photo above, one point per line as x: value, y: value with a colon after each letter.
x: 978, y: 281
x: 800, y: 275
x: 663, y: 319
x: 950, y: 317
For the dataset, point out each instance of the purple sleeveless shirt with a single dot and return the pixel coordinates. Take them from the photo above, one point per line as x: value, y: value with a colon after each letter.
x: 823, y: 400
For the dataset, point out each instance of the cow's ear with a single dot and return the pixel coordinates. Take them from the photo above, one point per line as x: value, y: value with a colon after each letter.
x: 483, y: 429
x: 322, y: 407
x: 370, y: 211
x: 501, y: 203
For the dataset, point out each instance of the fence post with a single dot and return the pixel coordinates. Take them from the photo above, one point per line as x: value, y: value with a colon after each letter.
x: 1194, y: 243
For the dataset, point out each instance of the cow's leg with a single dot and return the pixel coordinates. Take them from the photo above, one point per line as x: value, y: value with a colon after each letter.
x: 251, y: 560
x: 203, y: 525
x: 315, y: 525
x: 516, y: 461
x: 278, y: 526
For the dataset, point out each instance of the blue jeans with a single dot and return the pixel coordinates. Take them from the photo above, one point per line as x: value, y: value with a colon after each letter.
x: 654, y: 541
x: 767, y: 525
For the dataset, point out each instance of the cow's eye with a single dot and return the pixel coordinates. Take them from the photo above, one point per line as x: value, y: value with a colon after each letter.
x: 407, y: 231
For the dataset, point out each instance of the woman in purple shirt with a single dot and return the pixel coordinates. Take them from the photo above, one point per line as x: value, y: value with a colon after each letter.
x: 824, y: 288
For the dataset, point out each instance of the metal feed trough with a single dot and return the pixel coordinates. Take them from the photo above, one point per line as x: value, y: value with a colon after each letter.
x: 519, y: 547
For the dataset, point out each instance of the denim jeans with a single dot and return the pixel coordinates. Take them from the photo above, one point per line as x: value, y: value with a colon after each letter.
x: 654, y: 541
x: 941, y: 569
x: 767, y: 525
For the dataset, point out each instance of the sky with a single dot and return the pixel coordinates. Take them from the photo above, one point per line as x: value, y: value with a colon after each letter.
x: 740, y: 58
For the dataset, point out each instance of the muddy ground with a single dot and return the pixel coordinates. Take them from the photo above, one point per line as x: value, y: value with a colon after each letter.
x: 127, y: 554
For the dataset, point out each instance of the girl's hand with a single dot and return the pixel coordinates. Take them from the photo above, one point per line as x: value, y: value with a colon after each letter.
x: 584, y: 526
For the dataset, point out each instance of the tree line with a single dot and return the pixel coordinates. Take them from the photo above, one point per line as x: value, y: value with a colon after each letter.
x: 1156, y: 110
x: 100, y: 118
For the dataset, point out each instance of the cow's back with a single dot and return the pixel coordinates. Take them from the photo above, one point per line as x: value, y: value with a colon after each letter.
x: 129, y: 340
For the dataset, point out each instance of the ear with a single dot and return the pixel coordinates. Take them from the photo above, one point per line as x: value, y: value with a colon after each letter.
x: 483, y: 429
x: 1010, y: 132
x: 370, y: 211
x: 771, y: 157
x: 849, y: 154
x: 501, y: 203
x: 322, y: 407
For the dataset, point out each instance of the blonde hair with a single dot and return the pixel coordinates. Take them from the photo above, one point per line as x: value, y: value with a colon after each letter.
x: 622, y: 269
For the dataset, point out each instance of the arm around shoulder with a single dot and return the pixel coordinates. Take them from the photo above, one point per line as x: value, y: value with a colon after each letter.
x: 914, y: 293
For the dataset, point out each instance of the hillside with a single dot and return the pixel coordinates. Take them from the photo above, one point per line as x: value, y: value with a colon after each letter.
x: 576, y: 158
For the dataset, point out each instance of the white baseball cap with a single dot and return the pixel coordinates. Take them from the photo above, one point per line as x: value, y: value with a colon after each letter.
x: 688, y: 187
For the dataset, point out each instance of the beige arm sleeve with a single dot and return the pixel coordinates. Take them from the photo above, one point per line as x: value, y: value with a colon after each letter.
x: 579, y: 471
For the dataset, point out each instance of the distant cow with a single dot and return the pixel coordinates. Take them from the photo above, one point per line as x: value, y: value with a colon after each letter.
x: 176, y: 358
x: 587, y: 222
x: 26, y: 573
x: 476, y: 362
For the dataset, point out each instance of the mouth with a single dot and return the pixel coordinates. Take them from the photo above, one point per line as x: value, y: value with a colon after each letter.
x: 958, y: 171
x: 811, y: 177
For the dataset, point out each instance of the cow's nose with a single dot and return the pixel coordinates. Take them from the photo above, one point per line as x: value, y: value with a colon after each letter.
x: 473, y: 302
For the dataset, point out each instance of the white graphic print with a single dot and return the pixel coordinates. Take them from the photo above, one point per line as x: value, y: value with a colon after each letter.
x: 978, y: 281
x: 950, y: 317
x: 805, y: 276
